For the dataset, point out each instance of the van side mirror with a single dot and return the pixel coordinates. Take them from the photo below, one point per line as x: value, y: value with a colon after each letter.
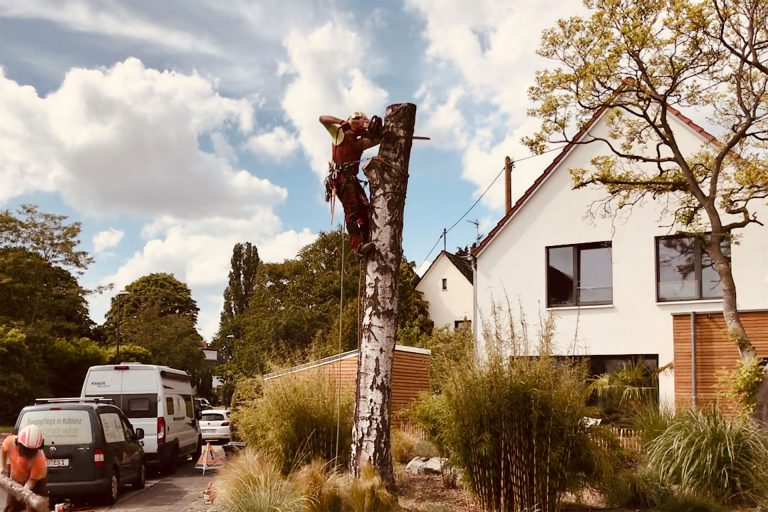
x: 198, y: 413
x: 139, y: 433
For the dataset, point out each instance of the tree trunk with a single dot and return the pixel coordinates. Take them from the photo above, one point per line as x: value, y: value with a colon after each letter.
x: 33, y: 501
x: 387, y: 175
x: 736, y: 331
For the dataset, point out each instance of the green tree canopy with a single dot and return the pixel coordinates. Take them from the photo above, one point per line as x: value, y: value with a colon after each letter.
x: 159, y: 314
x: 43, y: 299
x: 293, y: 313
x: 45, y: 234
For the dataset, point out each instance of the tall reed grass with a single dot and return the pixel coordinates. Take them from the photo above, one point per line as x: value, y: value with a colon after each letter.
x: 298, y: 418
x: 514, y: 423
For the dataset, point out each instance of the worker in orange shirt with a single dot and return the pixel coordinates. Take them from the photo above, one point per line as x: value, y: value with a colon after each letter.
x: 22, y: 458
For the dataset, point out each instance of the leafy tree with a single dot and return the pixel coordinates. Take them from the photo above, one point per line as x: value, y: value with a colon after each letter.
x: 293, y: 313
x: 18, y: 363
x: 237, y: 295
x: 45, y: 234
x: 242, y: 280
x: 637, y: 60
x: 44, y: 299
x: 159, y: 314
x: 68, y: 362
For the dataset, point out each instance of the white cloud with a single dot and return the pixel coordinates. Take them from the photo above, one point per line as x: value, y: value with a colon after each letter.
x: 327, y: 78
x: 443, y: 121
x: 125, y: 140
x: 273, y: 145
x: 222, y: 147
x: 107, y: 239
x: 107, y: 18
x: 198, y: 253
x: 492, y: 45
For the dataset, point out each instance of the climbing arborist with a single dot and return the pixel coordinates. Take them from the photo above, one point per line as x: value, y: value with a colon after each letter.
x: 350, y: 138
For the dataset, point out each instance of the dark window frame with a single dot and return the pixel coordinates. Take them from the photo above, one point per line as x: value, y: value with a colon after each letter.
x: 577, y: 248
x: 699, y: 250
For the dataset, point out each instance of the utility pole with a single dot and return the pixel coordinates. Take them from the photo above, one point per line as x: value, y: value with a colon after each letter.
x: 387, y: 175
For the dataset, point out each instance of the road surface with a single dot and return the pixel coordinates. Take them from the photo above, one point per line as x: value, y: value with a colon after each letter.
x: 180, y: 492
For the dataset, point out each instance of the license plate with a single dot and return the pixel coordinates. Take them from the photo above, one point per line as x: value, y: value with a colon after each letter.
x: 208, y: 430
x: 57, y: 463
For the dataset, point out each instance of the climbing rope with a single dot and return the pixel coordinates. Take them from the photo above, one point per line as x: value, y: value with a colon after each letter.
x: 338, y: 363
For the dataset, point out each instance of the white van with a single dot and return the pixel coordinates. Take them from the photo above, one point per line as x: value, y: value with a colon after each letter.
x: 157, y: 399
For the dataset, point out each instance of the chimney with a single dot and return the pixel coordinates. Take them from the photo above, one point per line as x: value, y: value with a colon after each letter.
x: 507, y: 185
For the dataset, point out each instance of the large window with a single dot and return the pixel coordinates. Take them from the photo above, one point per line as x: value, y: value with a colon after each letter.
x: 684, y: 270
x: 579, y: 275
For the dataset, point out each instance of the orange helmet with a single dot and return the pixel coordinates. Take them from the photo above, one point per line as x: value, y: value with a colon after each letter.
x: 31, y: 437
x: 359, y: 121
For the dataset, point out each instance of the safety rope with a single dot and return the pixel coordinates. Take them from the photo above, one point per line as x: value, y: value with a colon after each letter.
x: 338, y: 363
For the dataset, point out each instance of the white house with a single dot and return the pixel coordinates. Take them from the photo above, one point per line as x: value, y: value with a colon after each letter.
x: 447, y: 286
x: 617, y: 286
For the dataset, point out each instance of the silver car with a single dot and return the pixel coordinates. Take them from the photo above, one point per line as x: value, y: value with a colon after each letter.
x: 214, y: 425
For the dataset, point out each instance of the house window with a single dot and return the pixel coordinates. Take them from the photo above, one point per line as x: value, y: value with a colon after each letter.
x: 579, y: 275
x: 461, y: 324
x: 445, y: 283
x: 684, y: 270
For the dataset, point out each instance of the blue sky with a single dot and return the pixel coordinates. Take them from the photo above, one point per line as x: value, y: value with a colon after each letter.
x: 172, y: 130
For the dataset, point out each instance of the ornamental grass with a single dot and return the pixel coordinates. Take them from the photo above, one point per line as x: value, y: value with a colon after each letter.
x: 704, y: 453
x: 298, y: 418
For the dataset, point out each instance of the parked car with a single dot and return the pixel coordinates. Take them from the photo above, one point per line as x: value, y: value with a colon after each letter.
x: 214, y: 425
x: 203, y: 404
x: 91, y: 447
x: 158, y: 399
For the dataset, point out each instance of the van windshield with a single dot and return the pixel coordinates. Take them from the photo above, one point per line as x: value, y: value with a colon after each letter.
x: 61, y: 427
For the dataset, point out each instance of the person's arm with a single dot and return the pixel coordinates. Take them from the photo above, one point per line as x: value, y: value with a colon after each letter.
x: 5, y: 465
x: 335, y: 127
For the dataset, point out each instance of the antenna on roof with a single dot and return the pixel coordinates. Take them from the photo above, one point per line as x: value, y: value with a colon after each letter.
x: 445, y: 239
x: 476, y: 222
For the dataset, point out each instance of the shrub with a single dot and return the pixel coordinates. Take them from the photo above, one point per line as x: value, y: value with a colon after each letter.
x: 514, y: 424
x: 403, y: 445
x: 636, y: 488
x: 367, y: 493
x: 650, y: 421
x: 252, y: 483
x: 298, y: 419
x: 429, y: 413
x: 686, y: 503
x: 706, y: 454
x: 319, y: 483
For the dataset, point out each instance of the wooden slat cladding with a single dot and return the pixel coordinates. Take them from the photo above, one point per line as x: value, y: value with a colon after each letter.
x: 410, y: 375
x: 716, y: 355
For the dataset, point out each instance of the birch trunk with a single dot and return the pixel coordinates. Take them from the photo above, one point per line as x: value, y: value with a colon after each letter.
x: 33, y: 501
x: 387, y: 175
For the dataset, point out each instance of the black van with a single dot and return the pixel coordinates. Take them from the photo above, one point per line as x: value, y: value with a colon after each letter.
x: 90, y: 445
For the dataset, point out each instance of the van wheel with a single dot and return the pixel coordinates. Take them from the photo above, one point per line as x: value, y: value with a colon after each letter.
x: 198, y: 450
x: 142, y: 478
x: 110, y: 496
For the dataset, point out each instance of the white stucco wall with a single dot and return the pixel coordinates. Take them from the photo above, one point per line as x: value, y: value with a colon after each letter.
x: 452, y: 304
x: 512, y: 268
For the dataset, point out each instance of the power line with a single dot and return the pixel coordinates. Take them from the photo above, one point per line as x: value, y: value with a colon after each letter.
x: 445, y: 231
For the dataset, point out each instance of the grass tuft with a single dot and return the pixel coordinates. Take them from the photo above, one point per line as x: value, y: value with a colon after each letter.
x: 706, y: 454
x: 252, y: 483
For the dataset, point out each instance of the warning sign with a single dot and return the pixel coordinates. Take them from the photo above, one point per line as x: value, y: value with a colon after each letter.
x: 212, y: 457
